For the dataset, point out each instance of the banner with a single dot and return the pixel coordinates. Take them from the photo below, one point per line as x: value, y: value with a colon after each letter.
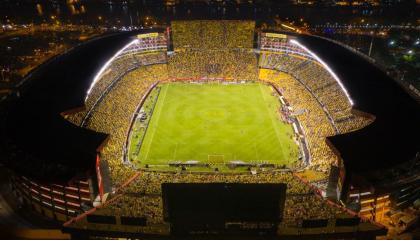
x: 148, y: 35
x: 275, y: 35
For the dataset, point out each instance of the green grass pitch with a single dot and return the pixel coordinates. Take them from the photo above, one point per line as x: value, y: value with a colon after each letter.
x: 217, y: 123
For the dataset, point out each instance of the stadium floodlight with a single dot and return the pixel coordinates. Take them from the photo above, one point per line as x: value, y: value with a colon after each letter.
x: 105, y: 66
x: 293, y: 41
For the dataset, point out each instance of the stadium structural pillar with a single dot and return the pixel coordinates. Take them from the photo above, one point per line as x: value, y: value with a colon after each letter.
x: 79, y: 236
x: 366, y: 238
x: 332, y: 190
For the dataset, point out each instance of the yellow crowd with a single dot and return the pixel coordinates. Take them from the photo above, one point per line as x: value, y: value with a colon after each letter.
x: 323, y: 87
x: 238, y: 64
x: 142, y: 198
x: 312, y: 118
x: 207, y: 49
x: 205, y: 35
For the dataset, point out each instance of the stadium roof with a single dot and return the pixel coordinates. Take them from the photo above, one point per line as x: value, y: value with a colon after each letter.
x: 40, y: 143
x: 393, y: 137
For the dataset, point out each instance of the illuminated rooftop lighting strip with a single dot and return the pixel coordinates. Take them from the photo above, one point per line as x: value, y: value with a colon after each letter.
x: 289, y: 27
x: 287, y: 51
x: 104, y: 67
x: 326, y: 67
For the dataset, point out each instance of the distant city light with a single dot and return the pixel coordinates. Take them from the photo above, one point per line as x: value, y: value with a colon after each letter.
x: 410, y: 52
x: 417, y: 42
x: 392, y: 42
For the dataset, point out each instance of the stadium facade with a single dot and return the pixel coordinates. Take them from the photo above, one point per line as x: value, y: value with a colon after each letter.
x: 69, y: 125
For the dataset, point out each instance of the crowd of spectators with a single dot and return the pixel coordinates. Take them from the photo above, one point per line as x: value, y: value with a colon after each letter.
x: 114, y: 113
x: 150, y: 181
x: 112, y: 74
x: 213, y: 49
x: 312, y: 118
x: 321, y: 85
x: 137, y: 205
x: 142, y: 198
x: 353, y: 122
x: 237, y: 64
x: 207, y: 34
x: 119, y: 67
x: 223, y: 49
x: 307, y: 206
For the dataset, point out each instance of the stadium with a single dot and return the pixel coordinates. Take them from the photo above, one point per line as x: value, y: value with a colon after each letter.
x: 205, y: 128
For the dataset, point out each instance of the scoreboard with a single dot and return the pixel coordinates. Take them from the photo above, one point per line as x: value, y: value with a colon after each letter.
x: 152, y: 41
x: 148, y: 35
x: 279, y: 43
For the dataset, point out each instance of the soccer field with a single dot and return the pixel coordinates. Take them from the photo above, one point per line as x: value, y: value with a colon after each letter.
x: 216, y: 123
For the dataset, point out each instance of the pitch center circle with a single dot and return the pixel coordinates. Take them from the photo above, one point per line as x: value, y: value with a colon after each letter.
x: 214, y: 114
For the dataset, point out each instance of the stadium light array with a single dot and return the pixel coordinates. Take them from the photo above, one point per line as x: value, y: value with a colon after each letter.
x: 105, y: 66
x: 293, y: 41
